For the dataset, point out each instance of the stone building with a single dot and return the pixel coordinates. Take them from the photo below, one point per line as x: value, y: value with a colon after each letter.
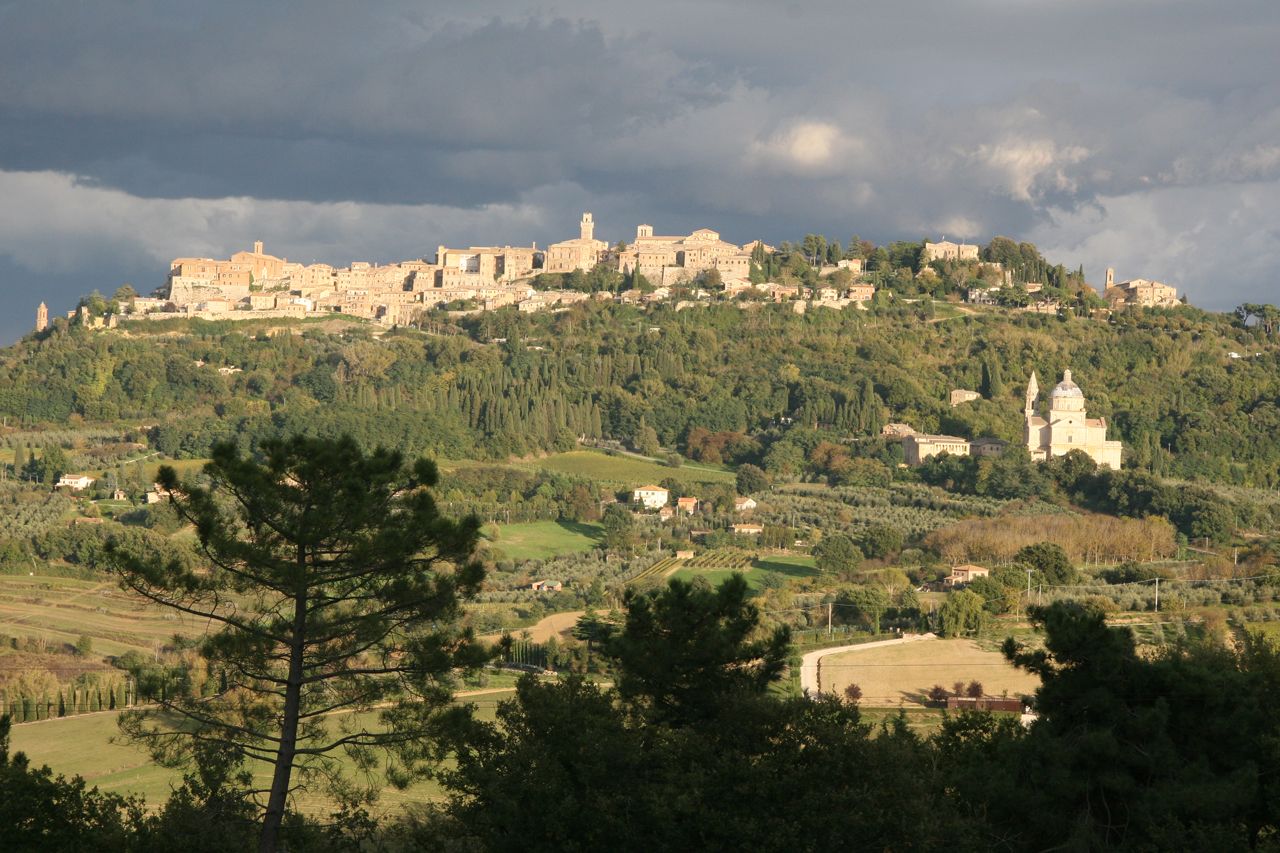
x: 666, y: 260
x: 918, y: 447
x: 861, y: 292
x: 1140, y: 293
x: 948, y: 251
x: 1066, y: 425
x: 580, y: 254
x: 42, y: 317
x: 492, y: 263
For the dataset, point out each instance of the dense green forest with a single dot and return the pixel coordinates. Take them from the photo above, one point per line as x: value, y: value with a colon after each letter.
x: 731, y: 382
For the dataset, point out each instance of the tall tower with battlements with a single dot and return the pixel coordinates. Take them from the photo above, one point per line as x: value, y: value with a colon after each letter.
x: 587, y: 227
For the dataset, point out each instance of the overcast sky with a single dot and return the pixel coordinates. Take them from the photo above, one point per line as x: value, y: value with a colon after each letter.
x: 1139, y: 134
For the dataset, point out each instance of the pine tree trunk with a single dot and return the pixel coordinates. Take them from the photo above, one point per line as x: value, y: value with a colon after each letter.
x: 289, y: 725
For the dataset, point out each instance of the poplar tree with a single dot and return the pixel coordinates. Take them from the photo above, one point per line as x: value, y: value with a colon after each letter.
x: 334, y: 584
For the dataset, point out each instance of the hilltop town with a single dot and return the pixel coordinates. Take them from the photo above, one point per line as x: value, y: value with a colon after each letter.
x: 688, y: 269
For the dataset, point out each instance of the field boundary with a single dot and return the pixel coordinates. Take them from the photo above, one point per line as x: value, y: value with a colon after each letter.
x: 811, y: 664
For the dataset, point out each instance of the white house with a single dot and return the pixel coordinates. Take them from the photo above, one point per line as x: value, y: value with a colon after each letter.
x: 744, y: 504
x: 75, y: 482
x: 651, y: 497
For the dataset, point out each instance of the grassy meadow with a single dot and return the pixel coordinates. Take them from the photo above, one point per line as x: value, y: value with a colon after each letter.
x: 790, y: 566
x: 628, y: 470
x: 90, y: 746
x: 541, y: 540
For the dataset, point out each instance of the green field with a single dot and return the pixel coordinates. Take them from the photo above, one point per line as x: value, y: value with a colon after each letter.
x: 541, y: 540
x: 63, y: 609
x: 628, y: 470
x: 184, y: 467
x: 798, y: 566
x: 90, y: 746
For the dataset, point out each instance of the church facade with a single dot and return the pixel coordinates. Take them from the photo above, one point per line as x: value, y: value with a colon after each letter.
x: 1066, y: 425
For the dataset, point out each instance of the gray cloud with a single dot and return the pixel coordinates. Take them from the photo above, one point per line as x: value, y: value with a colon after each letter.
x: 377, y: 130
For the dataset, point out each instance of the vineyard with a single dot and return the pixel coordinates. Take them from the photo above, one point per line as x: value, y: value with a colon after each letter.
x: 733, y: 561
x: 655, y: 571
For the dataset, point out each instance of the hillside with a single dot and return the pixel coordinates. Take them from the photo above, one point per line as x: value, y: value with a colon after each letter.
x: 504, y: 384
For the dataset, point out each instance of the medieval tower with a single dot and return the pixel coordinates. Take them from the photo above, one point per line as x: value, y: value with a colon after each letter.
x: 42, y: 317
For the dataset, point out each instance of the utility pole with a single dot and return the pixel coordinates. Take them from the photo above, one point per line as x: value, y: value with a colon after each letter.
x: 1024, y: 609
x: 1157, y: 595
x: 828, y: 618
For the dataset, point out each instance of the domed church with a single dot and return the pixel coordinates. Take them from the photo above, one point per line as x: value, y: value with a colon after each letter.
x: 1067, y: 426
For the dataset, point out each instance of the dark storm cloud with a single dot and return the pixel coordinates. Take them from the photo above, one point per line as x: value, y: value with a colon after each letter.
x: 1065, y: 120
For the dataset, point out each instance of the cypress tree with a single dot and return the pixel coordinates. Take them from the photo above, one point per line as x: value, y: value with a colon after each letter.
x: 62, y: 704
x: 992, y: 381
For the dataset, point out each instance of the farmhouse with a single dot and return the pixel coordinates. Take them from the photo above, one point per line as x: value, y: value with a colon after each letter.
x: 651, y: 497
x: 748, y: 529
x: 75, y: 482
x: 687, y: 505
x: 157, y: 494
x: 546, y: 586
x: 861, y: 292
x: 744, y: 504
x: 961, y: 575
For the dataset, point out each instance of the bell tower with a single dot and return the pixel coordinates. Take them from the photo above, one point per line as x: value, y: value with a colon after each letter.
x: 587, y: 227
x: 42, y: 317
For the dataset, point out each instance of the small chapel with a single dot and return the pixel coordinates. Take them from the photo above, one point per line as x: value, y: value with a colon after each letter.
x: 1066, y: 426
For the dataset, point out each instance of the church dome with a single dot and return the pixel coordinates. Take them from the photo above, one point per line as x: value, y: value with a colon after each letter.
x: 1066, y: 389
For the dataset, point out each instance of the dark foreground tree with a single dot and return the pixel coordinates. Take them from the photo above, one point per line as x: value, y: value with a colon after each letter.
x: 660, y: 765
x: 683, y: 649
x: 1130, y: 752
x: 331, y: 586
x: 41, y: 812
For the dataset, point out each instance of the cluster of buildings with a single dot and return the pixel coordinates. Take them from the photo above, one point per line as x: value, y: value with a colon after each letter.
x: 472, y: 278
x: 1134, y: 293
x: 657, y: 498
x: 481, y: 278
x: 1062, y: 427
